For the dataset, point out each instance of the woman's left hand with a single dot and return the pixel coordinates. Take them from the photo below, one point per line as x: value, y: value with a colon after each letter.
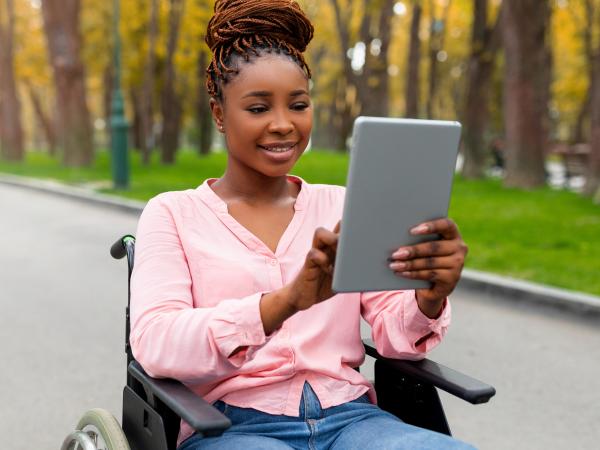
x: 439, y: 262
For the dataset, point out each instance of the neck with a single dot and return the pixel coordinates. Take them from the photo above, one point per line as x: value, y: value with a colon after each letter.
x: 254, y: 188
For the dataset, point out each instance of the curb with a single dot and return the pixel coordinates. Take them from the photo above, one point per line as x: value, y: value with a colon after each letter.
x: 519, y: 290
x: 516, y: 290
x: 81, y: 194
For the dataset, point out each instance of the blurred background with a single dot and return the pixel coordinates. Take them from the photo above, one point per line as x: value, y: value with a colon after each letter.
x: 108, y: 96
x: 523, y: 77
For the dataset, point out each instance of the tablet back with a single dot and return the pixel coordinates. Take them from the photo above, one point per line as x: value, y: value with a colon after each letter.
x: 400, y: 175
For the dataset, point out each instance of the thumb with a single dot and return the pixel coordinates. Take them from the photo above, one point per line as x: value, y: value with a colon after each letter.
x: 338, y: 227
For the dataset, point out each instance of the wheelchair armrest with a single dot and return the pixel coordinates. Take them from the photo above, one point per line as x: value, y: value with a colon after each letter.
x: 442, y: 377
x: 192, y: 408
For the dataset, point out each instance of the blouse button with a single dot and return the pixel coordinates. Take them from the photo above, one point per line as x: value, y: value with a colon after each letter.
x: 273, y: 262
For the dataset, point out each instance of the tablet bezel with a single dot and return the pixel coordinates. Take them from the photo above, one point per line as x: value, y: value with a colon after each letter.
x: 400, y: 174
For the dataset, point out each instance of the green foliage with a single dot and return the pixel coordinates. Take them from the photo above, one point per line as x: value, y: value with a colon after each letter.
x: 544, y: 235
x: 569, y: 87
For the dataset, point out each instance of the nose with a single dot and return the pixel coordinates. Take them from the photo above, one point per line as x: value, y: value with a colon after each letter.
x: 281, y: 123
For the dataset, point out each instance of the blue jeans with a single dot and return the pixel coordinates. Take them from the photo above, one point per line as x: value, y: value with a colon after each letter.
x: 356, y: 425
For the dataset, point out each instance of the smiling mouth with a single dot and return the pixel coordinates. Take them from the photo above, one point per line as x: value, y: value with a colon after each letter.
x: 279, y: 148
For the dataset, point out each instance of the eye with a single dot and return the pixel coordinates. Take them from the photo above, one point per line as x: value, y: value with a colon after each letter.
x: 300, y: 106
x: 257, y: 109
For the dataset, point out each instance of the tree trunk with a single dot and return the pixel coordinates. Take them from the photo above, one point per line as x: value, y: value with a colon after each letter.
x: 370, y: 95
x: 108, y: 81
x: 412, y: 88
x: 342, y: 20
x: 579, y: 132
x: 350, y: 79
x: 147, y: 101
x: 592, y: 183
x: 375, y: 94
x: 171, y: 102
x: 347, y: 109
x: 61, y: 25
x: 204, y: 121
x: 437, y: 34
x: 135, y: 130
x: 11, y: 131
x: 524, y: 36
x: 588, y: 45
x: 484, y: 46
x: 44, y: 120
x: 323, y: 135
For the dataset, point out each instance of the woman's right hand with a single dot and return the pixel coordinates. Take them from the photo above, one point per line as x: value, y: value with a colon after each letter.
x: 313, y: 283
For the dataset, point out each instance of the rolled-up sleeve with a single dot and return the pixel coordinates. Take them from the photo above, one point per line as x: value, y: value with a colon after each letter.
x: 169, y: 336
x: 399, y: 328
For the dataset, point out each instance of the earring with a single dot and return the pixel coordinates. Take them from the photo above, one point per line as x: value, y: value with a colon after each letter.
x: 221, y: 128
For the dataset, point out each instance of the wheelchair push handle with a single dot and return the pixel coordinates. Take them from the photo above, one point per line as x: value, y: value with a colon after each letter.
x: 119, y: 249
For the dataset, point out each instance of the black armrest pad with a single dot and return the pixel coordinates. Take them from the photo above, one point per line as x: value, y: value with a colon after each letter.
x: 427, y: 371
x: 193, y: 409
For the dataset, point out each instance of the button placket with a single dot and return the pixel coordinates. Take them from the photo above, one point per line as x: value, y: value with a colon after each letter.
x: 274, y: 270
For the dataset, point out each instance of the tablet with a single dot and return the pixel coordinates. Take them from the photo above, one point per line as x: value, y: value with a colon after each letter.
x: 400, y: 175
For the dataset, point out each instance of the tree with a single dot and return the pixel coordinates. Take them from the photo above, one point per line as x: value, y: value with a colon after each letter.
x: 592, y: 186
x: 485, y: 41
x: 147, y: 99
x: 411, y: 93
x: 525, y: 28
x: 371, y: 81
x: 43, y: 118
x: 11, y: 131
x: 204, y: 122
x: 193, y: 59
x: 171, y: 106
x: 592, y: 183
x: 376, y: 34
x: 437, y: 35
x: 587, y: 31
x: 61, y: 25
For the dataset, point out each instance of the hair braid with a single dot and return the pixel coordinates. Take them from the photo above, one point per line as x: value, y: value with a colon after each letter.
x: 245, y: 27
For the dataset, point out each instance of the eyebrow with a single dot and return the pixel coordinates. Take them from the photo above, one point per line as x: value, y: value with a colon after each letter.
x: 295, y: 93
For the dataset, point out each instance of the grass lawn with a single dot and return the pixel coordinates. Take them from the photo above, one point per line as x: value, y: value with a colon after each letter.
x: 544, y: 235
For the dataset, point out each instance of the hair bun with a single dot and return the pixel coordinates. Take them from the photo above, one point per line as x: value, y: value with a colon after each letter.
x: 280, y: 20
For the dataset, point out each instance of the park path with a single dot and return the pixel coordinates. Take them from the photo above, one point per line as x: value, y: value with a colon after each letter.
x: 61, y: 329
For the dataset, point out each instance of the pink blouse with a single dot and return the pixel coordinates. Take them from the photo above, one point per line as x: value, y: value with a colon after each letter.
x: 198, y: 279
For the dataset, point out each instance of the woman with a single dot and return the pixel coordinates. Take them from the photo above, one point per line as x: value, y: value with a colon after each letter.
x: 231, y: 290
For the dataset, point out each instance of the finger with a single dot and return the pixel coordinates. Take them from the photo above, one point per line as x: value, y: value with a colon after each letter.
x: 445, y: 227
x: 338, y: 227
x: 455, y: 262
x: 320, y: 259
x: 431, y: 248
x: 441, y: 276
x: 325, y: 238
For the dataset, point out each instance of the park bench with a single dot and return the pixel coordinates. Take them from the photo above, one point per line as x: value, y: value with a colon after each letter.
x: 574, y: 158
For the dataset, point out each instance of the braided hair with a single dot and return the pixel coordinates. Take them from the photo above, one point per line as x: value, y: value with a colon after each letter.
x: 245, y: 28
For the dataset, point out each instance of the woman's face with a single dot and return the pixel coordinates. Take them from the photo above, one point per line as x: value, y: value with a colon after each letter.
x: 266, y: 115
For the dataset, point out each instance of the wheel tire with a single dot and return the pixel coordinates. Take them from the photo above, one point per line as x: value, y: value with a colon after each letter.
x: 104, y: 429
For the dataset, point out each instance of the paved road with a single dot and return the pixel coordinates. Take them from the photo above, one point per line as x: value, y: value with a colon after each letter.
x: 61, y: 329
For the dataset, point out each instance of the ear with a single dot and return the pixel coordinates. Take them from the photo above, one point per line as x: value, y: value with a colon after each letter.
x: 216, y: 108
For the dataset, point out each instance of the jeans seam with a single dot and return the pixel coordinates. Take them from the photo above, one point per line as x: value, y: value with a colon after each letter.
x: 311, y: 438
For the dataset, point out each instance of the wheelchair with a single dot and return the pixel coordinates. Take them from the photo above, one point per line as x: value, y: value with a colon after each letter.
x: 154, y: 408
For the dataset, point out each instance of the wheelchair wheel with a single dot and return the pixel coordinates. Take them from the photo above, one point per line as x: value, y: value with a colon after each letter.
x: 103, y: 429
